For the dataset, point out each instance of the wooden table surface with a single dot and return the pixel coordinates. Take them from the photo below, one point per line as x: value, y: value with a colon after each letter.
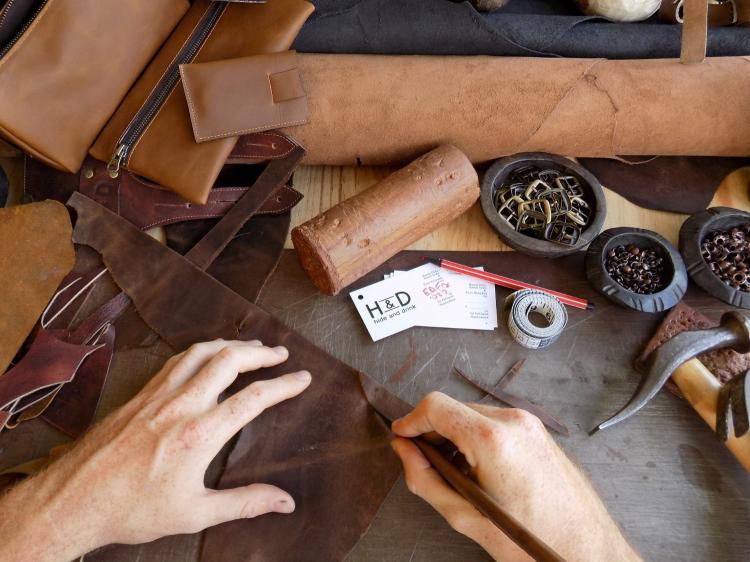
x: 324, y: 186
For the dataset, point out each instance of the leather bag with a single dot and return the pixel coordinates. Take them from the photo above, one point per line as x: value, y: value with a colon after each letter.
x: 65, y: 66
x: 151, y: 133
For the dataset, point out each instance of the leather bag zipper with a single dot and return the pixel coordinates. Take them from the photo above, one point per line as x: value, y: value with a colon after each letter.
x: 163, y: 88
x: 9, y: 45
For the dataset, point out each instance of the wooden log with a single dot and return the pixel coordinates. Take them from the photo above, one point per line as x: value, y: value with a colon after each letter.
x: 351, y: 239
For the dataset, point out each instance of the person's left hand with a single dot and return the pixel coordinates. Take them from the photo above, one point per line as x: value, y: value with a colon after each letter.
x: 139, y: 475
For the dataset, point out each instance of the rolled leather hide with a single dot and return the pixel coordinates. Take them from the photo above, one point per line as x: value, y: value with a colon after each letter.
x: 387, y: 110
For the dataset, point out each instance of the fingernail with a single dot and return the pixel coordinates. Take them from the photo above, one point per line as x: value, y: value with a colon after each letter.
x: 303, y: 376
x: 281, y: 350
x: 255, y: 343
x: 284, y: 506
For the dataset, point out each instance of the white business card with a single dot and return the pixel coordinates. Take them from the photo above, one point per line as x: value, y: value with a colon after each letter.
x: 426, y: 296
x: 389, y: 306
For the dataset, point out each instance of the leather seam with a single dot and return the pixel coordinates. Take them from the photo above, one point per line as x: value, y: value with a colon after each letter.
x: 175, y: 219
x: 254, y: 130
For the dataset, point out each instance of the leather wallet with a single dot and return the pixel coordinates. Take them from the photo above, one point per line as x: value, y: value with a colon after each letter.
x: 151, y: 134
x: 65, y: 66
x: 245, y: 95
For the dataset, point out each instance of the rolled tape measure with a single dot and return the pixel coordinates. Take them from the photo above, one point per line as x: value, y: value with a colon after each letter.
x: 535, y: 319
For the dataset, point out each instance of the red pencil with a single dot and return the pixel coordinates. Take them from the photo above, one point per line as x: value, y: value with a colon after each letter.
x: 509, y: 283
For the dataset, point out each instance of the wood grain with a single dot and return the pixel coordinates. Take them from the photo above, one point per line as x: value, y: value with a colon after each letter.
x: 324, y: 186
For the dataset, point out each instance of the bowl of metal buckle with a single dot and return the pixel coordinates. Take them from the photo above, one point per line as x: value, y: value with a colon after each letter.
x: 542, y: 204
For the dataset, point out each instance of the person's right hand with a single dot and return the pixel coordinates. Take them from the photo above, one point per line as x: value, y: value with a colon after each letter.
x: 516, y: 461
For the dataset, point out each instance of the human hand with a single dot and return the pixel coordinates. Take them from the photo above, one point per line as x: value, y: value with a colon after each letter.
x: 139, y: 475
x: 515, y: 461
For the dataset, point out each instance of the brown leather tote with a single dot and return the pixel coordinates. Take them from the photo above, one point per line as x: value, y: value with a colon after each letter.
x: 65, y: 66
x: 151, y: 133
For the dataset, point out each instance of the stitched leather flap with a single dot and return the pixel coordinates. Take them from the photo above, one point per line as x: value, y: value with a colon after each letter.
x: 244, y: 95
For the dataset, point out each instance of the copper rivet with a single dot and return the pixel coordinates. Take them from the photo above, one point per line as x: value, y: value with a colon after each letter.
x: 88, y: 173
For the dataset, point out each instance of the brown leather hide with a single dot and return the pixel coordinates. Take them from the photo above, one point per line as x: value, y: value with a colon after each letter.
x: 35, y: 255
x: 328, y: 448
x: 666, y: 183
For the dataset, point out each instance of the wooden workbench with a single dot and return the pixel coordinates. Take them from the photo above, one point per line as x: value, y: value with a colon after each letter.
x: 675, y: 490
x: 677, y: 493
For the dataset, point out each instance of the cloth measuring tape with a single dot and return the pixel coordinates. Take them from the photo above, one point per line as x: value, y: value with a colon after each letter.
x: 518, y: 309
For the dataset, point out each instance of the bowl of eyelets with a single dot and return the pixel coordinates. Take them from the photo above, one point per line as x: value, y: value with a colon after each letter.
x: 715, y: 244
x: 542, y: 204
x: 637, y: 269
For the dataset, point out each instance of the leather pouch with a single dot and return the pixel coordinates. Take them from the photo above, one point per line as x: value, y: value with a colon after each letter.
x: 246, y: 95
x: 67, y: 66
x: 151, y: 133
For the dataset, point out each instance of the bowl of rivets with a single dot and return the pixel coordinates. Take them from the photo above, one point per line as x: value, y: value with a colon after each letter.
x: 542, y: 204
x: 715, y: 244
x: 636, y: 268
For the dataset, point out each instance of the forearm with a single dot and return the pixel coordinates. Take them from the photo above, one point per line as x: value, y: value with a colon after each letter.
x: 42, y: 522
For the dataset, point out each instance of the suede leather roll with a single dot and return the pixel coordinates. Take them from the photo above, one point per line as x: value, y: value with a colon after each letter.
x: 386, y: 110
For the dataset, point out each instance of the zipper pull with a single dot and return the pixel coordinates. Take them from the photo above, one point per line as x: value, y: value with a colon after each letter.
x: 113, y: 167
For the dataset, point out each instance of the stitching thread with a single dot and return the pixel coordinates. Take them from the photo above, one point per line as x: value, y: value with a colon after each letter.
x: 254, y: 129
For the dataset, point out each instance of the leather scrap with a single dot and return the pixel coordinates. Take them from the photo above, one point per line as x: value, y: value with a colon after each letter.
x: 330, y: 454
x: 676, y: 184
x: 203, y: 250
x: 49, y: 363
x: 499, y: 393
x: 74, y: 406
x: 35, y: 255
x: 725, y: 364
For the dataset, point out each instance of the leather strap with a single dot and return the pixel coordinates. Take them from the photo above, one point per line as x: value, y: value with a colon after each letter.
x: 694, y: 31
x: 276, y: 174
x: 148, y: 205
